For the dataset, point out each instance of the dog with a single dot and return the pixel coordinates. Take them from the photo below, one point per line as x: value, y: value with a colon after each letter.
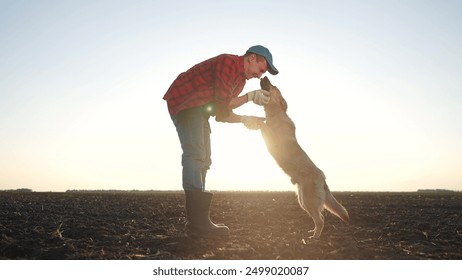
x: 278, y: 132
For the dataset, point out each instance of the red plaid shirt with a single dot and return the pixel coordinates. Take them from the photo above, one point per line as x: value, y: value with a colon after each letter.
x: 216, y: 80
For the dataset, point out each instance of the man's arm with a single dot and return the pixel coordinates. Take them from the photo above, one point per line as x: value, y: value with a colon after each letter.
x: 238, y: 101
x: 233, y: 104
x: 231, y: 117
x: 250, y: 122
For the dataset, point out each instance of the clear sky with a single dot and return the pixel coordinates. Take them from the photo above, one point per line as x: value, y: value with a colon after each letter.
x: 374, y: 88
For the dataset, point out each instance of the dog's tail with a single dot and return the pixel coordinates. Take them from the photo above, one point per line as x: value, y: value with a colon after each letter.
x: 335, y: 207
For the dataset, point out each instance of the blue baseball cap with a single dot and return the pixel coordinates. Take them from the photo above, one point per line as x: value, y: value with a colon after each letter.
x: 262, y: 51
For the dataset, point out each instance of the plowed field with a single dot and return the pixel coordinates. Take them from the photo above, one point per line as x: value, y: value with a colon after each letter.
x: 263, y: 225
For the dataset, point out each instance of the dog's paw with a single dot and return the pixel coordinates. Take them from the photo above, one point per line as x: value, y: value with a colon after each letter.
x: 310, y: 240
x: 253, y: 123
x: 314, y: 235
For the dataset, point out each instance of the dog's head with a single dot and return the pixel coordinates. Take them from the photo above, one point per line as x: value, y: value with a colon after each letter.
x: 277, y: 103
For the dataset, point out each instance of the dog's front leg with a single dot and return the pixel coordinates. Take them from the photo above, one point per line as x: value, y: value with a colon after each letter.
x: 267, y: 135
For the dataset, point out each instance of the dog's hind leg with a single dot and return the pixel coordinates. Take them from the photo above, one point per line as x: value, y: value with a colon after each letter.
x: 311, y: 200
x: 318, y: 219
x: 300, y: 195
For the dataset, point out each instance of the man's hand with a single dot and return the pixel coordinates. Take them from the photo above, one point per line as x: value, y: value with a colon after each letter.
x: 253, y: 123
x: 260, y: 97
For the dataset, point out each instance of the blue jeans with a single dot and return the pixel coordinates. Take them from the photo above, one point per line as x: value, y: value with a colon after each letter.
x: 193, y: 128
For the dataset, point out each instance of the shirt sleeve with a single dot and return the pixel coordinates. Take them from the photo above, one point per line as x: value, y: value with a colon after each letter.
x: 225, y: 76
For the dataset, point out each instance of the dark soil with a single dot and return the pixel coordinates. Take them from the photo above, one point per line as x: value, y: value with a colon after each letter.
x: 264, y: 225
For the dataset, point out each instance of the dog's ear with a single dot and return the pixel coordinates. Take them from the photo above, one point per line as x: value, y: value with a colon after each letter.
x: 284, y: 104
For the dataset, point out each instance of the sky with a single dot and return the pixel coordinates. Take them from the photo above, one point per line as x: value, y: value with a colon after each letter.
x: 374, y: 88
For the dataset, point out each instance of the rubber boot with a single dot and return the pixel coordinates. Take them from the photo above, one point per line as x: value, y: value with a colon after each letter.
x: 198, y: 223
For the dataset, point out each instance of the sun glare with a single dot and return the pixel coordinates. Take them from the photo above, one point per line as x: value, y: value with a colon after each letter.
x: 240, y: 161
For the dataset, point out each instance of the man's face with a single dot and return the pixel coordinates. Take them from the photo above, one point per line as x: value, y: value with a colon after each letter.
x: 256, y: 67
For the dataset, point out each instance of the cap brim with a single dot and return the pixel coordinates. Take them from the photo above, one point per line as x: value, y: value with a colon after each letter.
x: 272, y: 69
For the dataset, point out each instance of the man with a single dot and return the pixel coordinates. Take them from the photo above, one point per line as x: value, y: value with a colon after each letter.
x: 211, y: 88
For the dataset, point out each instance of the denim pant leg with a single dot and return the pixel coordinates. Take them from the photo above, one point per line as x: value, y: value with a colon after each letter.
x: 193, y: 131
